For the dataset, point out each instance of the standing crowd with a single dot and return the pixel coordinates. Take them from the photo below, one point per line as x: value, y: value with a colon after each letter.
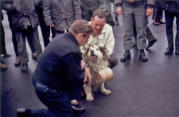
x: 61, y: 71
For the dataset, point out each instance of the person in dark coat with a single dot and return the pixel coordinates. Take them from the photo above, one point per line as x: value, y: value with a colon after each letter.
x: 60, y: 14
x: 60, y: 73
x: 171, y: 8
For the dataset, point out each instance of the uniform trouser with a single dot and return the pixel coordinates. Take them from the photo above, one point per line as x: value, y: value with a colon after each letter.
x: 169, y: 18
x: 149, y: 34
x: 21, y: 43
x: 33, y: 40
x: 44, y: 28
x: 58, y: 102
x: 2, y: 40
x: 135, y: 14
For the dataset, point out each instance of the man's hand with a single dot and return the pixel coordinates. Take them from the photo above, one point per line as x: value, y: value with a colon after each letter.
x: 149, y: 11
x: 119, y: 10
x: 51, y: 25
x: 87, y: 77
x: 82, y: 64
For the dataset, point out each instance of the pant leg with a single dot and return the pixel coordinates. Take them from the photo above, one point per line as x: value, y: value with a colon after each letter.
x: 169, y: 17
x: 75, y: 91
x: 44, y: 28
x: 150, y: 35
x: 2, y: 40
x: 29, y: 35
x: 158, y: 14
x: 14, y: 41
x: 177, y: 34
x: 141, y: 25
x: 36, y: 40
x: 58, y: 102
x: 46, y: 113
x: 21, y: 42
x: 9, y: 14
x: 128, y: 24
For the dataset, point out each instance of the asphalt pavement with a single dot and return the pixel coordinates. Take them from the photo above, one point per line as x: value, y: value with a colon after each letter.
x: 139, y: 89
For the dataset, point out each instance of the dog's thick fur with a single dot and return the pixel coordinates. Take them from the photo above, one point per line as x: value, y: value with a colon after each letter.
x: 97, y: 61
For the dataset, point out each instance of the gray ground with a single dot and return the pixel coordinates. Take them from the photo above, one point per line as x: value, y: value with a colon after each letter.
x: 138, y: 89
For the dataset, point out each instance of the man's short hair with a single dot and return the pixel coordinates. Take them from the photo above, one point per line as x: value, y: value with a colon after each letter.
x: 81, y: 26
x: 99, y: 13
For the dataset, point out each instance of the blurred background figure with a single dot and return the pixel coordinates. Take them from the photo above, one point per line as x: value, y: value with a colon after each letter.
x: 60, y: 14
x: 171, y: 12
x: 158, y: 13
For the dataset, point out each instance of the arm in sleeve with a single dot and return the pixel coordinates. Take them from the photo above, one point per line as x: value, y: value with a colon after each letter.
x: 72, y: 62
x: 47, y: 11
x: 77, y: 9
x: 109, y: 44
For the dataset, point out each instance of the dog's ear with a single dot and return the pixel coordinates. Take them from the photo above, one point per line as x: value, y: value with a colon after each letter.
x: 104, y: 51
x: 85, y: 49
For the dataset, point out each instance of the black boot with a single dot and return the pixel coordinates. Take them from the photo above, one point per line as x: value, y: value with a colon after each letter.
x: 177, y: 53
x: 23, y: 112
x: 126, y: 56
x: 168, y: 52
x: 142, y: 56
x: 24, y: 67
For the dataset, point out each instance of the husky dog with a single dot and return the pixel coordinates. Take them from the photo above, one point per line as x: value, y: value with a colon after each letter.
x: 97, y: 61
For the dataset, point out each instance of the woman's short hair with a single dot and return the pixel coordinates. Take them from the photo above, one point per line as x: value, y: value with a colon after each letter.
x: 81, y: 26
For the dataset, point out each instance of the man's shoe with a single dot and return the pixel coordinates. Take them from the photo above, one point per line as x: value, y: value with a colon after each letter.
x: 161, y: 22
x: 151, y: 43
x: 78, y: 108
x: 168, y: 52
x: 17, y: 62
x: 34, y: 55
x: 6, y: 55
x: 24, y: 67
x: 3, y: 67
x: 177, y: 53
x: 142, y: 56
x: 126, y: 56
x: 156, y: 23
x: 23, y: 112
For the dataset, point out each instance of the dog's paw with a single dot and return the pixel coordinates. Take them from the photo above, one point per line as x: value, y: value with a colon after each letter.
x: 89, y: 98
x: 74, y: 102
x: 106, y: 92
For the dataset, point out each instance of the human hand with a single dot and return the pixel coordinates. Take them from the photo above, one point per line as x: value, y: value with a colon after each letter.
x: 51, y: 25
x: 149, y: 11
x: 82, y: 64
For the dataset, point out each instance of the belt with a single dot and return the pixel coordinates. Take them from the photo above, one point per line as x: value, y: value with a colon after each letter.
x: 136, y: 3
